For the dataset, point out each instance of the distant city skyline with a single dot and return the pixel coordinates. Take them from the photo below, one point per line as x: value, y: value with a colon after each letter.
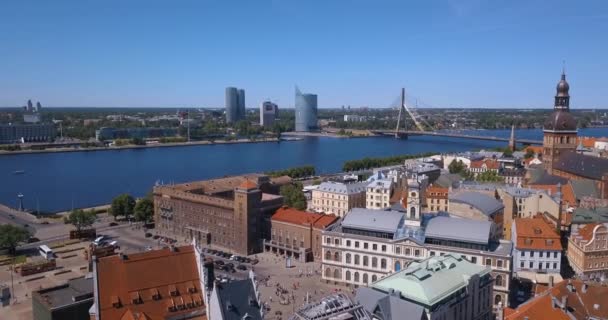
x: 469, y: 54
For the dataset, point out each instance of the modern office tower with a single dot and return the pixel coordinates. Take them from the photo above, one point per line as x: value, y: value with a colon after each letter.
x: 268, y: 113
x: 232, y: 105
x: 235, y: 104
x: 306, y: 111
x: 241, y: 99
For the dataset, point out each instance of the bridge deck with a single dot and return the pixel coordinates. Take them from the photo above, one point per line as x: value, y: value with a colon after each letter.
x: 456, y: 135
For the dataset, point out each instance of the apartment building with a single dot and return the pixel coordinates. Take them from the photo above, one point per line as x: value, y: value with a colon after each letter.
x: 525, y: 203
x: 588, y: 251
x: 443, y: 288
x: 378, y: 194
x: 437, y: 198
x: 367, y: 245
x: 537, y: 247
x: 338, y: 198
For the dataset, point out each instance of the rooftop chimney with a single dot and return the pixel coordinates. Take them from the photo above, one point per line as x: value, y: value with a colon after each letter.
x: 551, y: 282
x: 564, y: 302
x: 584, y: 287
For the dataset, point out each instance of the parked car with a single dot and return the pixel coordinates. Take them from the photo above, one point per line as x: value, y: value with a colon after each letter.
x: 219, y: 262
x: 148, y: 234
x: 254, y: 261
x: 99, y: 240
x: 155, y: 237
x: 241, y: 267
x: 112, y: 224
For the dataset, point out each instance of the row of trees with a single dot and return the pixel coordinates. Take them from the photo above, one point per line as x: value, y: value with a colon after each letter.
x: 126, y: 206
x: 294, y: 173
x: 368, y: 163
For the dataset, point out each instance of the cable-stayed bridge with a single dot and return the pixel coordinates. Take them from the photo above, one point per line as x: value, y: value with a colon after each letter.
x: 423, y: 128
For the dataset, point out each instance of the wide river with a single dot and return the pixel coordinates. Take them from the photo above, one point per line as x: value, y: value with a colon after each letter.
x: 60, y: 181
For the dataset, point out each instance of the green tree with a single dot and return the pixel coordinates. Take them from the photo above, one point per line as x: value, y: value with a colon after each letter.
x: 11, y: 236
x: 293, y: 196
x: 489, y: 176
x: 456, y: 166
x: 123, y: 205
x: 81, y: 219
x: 144, y: 209
x: 529, y: 154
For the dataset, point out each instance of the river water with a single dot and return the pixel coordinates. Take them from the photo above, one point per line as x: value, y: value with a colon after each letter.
x: 59, y: 181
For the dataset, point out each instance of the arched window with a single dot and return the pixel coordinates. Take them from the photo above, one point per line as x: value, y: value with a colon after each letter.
x: 327, y: 255
x: 398, y: 250
x: 497, y: 299
x: 412, y: 212
x: 383, y: 263
x: 357, y: 260
x: 374, y: 262
x: 397, y: 266
x: 498, y: 281
x: 347, y: 275
x: 365, y: 261
x: 356, y: 276
x: 327, y: 272
x: 348, y: 258
x: 337, y: 242
x: 337, y: 274
x: 337, y: 256
x: 365, y: 278
x: 374, y: 278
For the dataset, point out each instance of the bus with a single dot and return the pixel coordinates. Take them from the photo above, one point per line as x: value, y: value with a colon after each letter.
x: 46, y: 252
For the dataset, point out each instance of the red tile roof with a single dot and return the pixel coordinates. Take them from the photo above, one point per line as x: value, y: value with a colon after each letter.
x: 579, y: 304
x: 491, y: 164
x: 304, y: 218
x: 536, y: 234
x: 325, y: 221
x: 139, y: 276
x: 586, y: 232
x: 587, y: 142
x: 248, y: 184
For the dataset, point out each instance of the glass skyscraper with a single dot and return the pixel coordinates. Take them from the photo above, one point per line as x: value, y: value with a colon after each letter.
x: 306, y: 111
x: 235, y: 104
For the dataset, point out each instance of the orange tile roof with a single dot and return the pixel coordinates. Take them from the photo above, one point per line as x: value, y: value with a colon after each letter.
x: 248, y: 184
x: 304, y: 218
x: 587, y: 142
x: 536, y: 234
x: 586, y: 232
x: 491, y: 164
x: 325, y: 221
x: 141, y: 275
x: 437, y: 192
x: 581, y: 305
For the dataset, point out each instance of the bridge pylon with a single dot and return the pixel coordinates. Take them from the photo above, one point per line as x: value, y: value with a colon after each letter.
x: 402, y: 110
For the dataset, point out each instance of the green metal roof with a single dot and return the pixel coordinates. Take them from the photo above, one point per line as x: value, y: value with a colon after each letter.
x: 584, y: 215
x: 429, y: 281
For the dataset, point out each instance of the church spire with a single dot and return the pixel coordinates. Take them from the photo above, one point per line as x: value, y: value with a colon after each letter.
x: 562, y: 98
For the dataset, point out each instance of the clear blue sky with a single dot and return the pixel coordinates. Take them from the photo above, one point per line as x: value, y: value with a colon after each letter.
x: 470, y: 53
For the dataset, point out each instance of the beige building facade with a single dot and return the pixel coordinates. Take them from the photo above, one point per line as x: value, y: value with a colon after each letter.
x: 588, y: 251
x: 338, y: 198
